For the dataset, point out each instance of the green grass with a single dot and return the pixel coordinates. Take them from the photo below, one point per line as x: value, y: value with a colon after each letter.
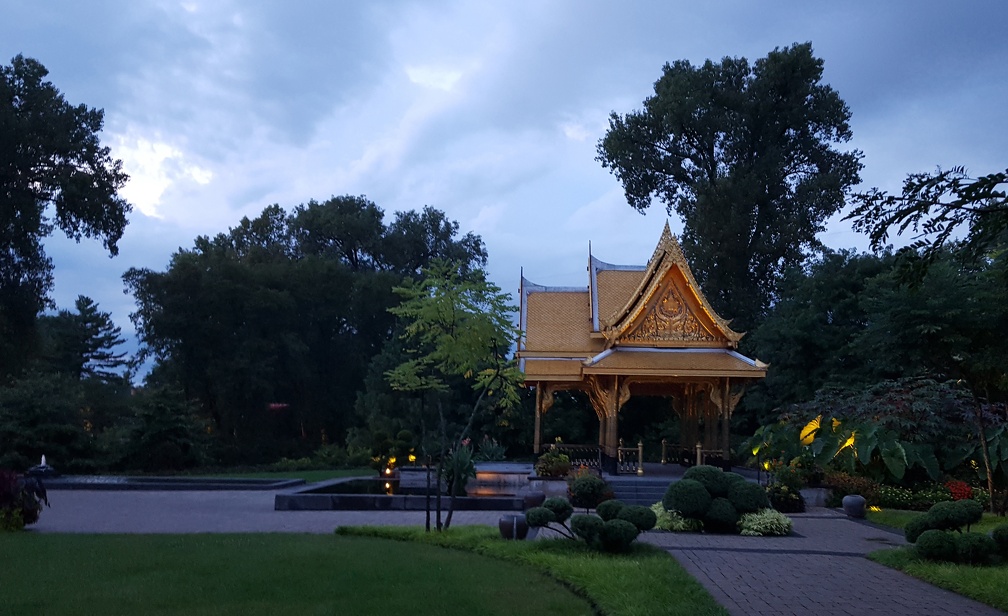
x: 985, y: 584
x: 265, y: 574
x: 647, y: 581
x: 897, y: 518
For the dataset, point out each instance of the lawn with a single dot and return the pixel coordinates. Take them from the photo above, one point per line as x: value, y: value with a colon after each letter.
x: 266, y: 574
x: 985, y: 584
x: 645, y: 582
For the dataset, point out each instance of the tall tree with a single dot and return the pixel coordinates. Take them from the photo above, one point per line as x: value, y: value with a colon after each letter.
x: 84, y: 344
x: 746, y: 155
x: 54, y: 172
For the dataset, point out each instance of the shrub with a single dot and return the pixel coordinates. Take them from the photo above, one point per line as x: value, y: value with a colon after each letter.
x: 712, y: 478
x: 959, y: 489
x: 917, y: 525
x: 975, y: 548
x: 638, y: 515
x: 610, y: 509
x: 894, y: 497
x: 552, y: 464
x: 587, y: 527
x: 938, y: 545
x: 765, y: 523
x: 1000, y: 537
x: 538, y: 517
x: 588, y: 491
x: 971, y: 510
x: 689, y: 497
x: 784, y: 499
x: 748, y: 497
x: 560, y: 507
x: 721, y: 517
x: 21, y: 500
x: 672, y: 521
x: 843, y: 484
x: 617, y: 535
x: 791, y: 477
x: 924, y: 499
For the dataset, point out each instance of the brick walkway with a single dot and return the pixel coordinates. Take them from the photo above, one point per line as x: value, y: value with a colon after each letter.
x: 819, y: 570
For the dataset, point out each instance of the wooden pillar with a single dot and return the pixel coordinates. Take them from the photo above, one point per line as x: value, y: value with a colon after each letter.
x: 544, y: 401
x: 726, y: 422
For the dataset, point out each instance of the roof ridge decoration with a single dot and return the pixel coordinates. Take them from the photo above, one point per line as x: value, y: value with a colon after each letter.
x: 659, y: 310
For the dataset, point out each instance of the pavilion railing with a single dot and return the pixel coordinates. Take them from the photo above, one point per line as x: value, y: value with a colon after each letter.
x: 581, y: 455
x: 630, y: 460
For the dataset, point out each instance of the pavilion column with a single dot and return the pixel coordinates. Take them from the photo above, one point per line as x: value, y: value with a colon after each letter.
x: 608, y: 394
x: 726, y: 401
x: 544, y: 400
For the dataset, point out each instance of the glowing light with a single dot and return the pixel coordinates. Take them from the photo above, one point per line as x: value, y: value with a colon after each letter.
x: 874, y: 508
x: 412, y: 458
x: 391, y: 461
x: 388, y: 486
x: 766, y: 465
x: 388, y: 471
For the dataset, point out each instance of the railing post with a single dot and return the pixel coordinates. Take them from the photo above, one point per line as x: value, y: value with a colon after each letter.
x: 664, y: 455
x: 699, y: 454
x: 640, y: 458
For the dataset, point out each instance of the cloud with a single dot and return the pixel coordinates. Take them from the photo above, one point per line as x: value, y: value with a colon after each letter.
x: 153, y: 166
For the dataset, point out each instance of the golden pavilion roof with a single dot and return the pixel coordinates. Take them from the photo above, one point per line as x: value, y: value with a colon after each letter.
x: 639, y: 320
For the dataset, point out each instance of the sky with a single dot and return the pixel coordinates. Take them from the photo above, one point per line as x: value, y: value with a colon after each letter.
x: 489, y: 111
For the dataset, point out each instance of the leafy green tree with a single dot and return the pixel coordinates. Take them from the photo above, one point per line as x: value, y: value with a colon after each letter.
x: 54, y: 172
x: 270, y: 327
x: 457, y: 331
x: 745, y: 154
x: 935, y: 206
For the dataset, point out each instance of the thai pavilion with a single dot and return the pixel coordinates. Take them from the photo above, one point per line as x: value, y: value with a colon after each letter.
x: 636, y: 330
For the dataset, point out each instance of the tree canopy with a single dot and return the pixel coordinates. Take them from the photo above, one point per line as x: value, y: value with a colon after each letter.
x: 54, y: 173
x: 935, y: 206
x: 270, y: 327
x: 746, y: 155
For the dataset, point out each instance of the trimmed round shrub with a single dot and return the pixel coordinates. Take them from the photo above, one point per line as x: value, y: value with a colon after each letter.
x: 732, y: 478
x: 971, y: 510
x: 587, y: 527
x: 617, y: 535
x: 689, y: 497
x: 560, y: 507
x: 539, y: 516
x: 640, y: 516
x: 721, y: 517
x: 712, y: 478
x: 588, y: 491
x: 937, y: 545
x: 748, y: 497
x: 947, y: 516
x: 610, y: 509
x: 917, y: 525
x: 975, y: 548
x: 1000, y: 537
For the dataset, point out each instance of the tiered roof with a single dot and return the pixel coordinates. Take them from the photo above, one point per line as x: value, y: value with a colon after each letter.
x: 649, y: 320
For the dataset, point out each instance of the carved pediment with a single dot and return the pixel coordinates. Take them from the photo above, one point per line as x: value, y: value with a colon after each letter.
x: 669, y: 320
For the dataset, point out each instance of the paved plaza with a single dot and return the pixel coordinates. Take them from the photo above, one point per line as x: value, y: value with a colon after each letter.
x: 819, y: 570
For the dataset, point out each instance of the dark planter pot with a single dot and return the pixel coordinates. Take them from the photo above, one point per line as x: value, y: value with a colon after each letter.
x: 854, y: 505
x: 534, y: 499
x: 513, y: 526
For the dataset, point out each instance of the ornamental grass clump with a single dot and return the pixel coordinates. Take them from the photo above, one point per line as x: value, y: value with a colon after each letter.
x: 673, y: 522
x: 765, y: 523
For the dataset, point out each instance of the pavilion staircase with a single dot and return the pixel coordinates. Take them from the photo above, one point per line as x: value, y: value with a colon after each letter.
x: 638, y: 490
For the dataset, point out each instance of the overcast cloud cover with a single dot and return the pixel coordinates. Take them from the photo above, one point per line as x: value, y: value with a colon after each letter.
x: 489, y: 111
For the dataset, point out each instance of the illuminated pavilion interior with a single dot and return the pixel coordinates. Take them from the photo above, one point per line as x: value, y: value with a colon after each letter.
x: 636, y: 330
